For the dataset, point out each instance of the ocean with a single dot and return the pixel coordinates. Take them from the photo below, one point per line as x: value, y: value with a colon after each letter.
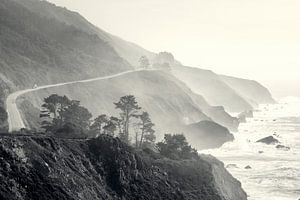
x: 272, y: 174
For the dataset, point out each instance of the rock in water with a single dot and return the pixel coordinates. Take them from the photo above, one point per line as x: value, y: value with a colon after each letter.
x: 37, y: 167
x: 231, y: 166
x: 282, y: 147
x: 268, y: 140
x: 244, y: 115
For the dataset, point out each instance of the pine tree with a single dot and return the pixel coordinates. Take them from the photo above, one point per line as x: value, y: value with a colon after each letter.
x: 99, y: 123
x: 147, y: 132
x: 129, y: 107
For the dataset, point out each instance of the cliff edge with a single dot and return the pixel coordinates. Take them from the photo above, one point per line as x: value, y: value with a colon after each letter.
x: 40, y: 167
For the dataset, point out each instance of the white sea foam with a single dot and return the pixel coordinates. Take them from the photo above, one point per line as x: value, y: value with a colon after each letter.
x: 274, y: 173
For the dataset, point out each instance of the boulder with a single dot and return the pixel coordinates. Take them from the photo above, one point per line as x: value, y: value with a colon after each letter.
x: 231, y: 166
x: 282, y: 147
x: 268, y: 140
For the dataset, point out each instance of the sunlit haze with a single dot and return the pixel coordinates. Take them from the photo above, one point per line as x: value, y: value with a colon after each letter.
x: 258, y: 39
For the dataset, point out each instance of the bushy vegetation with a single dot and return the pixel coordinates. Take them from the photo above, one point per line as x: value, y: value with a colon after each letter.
x: 164, y: 60
x: 3, y: 113
x: 3, y: 118
x: 63, y: 117
x: 176, y: 147
x: 66, y: 118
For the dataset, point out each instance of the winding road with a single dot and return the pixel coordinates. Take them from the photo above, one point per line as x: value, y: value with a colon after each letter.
x: 15, y: 120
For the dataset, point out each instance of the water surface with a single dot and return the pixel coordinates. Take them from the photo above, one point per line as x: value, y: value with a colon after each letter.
x: 274, y: 173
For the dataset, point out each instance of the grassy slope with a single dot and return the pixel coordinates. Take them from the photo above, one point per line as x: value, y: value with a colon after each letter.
x: 156, y: 92
x: 127, y: 50
x: 170, y: 107
x: 39, y: 50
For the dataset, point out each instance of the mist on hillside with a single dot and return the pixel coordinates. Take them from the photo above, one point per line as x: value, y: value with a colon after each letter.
x: 149, y: 100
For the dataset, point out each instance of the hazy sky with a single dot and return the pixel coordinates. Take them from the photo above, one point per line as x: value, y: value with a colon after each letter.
x: 256, y: 39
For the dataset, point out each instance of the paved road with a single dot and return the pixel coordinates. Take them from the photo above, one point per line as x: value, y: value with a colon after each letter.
x: 15, y: 120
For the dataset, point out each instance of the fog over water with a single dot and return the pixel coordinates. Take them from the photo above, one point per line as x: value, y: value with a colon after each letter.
x: 274, y: 173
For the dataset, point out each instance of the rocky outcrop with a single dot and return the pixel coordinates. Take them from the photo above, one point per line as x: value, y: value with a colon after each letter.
x: 268, y: 140
x: 282, y: 147
x: 248, y: 167
x: 242, y: 117
x: 207, y: 134
x: 39, y: 167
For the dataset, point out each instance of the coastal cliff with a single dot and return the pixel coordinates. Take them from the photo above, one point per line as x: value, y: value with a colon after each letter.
x: 40, y: 167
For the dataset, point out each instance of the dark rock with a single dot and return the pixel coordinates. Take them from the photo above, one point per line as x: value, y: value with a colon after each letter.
x: 40, y: 167
x: 231, y: 166
x: 260, y: 152
x: 282, y: 147
x: 207, y: 134
x: 248, y: 167
x: 268, y: 140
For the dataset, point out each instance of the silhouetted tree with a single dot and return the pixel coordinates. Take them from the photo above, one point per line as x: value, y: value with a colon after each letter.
x: 99, y: 123
x: 77, y: 115
x: 144, y: 62
x: 146, y: 126
x: 129, y: 108
x: 118, y: 123
x: 164, y: 60
x: 52, y: 108
x: 176, y: 147
x: 111, y: 126
x: 61, y: 114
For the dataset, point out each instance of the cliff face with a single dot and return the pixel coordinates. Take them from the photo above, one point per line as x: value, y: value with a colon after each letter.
x: 212, y: 88
x: 37, y: 167
x: 251, y: 90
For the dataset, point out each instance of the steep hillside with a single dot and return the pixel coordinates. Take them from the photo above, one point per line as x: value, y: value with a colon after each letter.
x: 38, y: 50
x: 47, y: 44
x: 169, y: 104
x: 35, y: 167
x: 212, y: 88
x: 132, y: 52
x: 216, y: 113
x: 127, y: 50
x: 251, y: 90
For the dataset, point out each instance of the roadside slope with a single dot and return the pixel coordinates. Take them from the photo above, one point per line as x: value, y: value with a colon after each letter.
x: 170, y: 106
